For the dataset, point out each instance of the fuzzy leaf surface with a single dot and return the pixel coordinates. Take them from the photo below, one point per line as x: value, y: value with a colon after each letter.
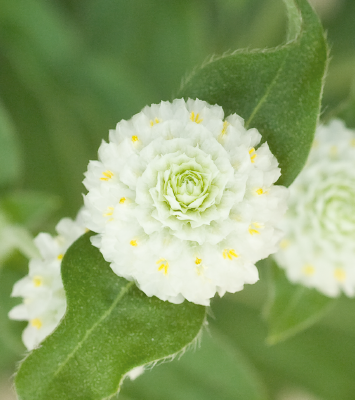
x: 278, y: 90
x: 110, y: 327
x: 292, y: 308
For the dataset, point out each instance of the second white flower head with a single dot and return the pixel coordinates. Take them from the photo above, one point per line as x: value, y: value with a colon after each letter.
x: 183, y: 202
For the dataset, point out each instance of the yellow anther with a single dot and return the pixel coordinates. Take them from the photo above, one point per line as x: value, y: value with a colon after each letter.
x: 253, y: 228
x: 198, y: 261
x: 60, y: 257
x: 333, y: 151
x: 308, y: 270
x: 37, y: 281
x: 225, y: 126
x: 133, y: 243
x: 223, y: 132
x: 339, y: 274
x: 284, y: 243
x: 315, y: 144
x: 134, y: 138
x: 109, y: 212
x: 195, y: 118
x: 253, y: 155
x: 36, y: 323
x: 259, y: 191
x: 230, y: 253
x: 122, y: 200
x: 352, y: 142
x: 156, y: 121
x: 163, y: 265
x: 87, y: 230
x: 107, y: 175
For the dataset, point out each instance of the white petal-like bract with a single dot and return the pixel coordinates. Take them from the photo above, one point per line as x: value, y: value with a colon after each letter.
x: 44, y: 302
x: 319, y: 245
x: 183, y: 201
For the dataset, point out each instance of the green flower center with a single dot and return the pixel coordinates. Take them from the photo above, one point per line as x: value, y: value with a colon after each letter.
x: 186, y: 186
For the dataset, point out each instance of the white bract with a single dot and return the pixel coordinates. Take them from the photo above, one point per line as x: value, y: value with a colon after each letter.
x: 319, y: 248
x: 44, y: 302
x: 184, y: 202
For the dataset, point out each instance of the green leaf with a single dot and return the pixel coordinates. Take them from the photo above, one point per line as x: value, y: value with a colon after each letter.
x: 10, y: 157
x: 110, y: 327
x: 11, y: 346
x: 277, y: 91
x: 217, y: 370
x: 29, y: 209
x: 320, y: 360
x: 292, y: 308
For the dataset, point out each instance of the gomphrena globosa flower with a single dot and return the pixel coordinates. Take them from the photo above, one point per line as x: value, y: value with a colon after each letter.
x: 44, y: 302
x: 183, y: 201
x: 319, y: 247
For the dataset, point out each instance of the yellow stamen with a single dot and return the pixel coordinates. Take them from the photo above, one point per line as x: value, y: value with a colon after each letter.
x: 134, y: 138
x: 110, y: 212
x: 308, y: 270
x: 259, y: 191
x: 198, y: 261
x: 315, y: 144
x: 253, y: 155
x: 225, y: 126
x: 37, y: 281
x: 107, y: 175
x: 133, y: 243
x: 156, y: 121
x: 284, y: 243
x: 333, y: 151
x: 195, y: 118
x: 352, y: 142
x: 253, y: 228
x: 122, y: 200
x: 339, y: 274
x: 36, y: 323
x: 60, y: 256
x: 230, y: 253
x: 163, y: 264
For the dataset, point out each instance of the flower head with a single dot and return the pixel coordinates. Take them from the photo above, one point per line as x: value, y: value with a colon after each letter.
x: 184, y: 202
x: 44, y: 302
x: 319, y: 246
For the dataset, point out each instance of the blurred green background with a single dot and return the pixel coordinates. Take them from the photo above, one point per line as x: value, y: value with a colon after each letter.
x: 69, y: 71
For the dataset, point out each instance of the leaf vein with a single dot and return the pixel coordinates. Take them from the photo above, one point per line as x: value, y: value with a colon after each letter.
x: 120, y: 295
x: 266, y: 94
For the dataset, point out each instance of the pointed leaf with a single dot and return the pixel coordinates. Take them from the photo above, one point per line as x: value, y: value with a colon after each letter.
x: 292, y: 308
x: 110, y: 327
x: 277, y: 90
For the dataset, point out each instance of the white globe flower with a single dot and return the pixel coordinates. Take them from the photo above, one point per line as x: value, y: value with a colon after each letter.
x: 319, y: 246
x: 44, y: 302
x: 183, y: 201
